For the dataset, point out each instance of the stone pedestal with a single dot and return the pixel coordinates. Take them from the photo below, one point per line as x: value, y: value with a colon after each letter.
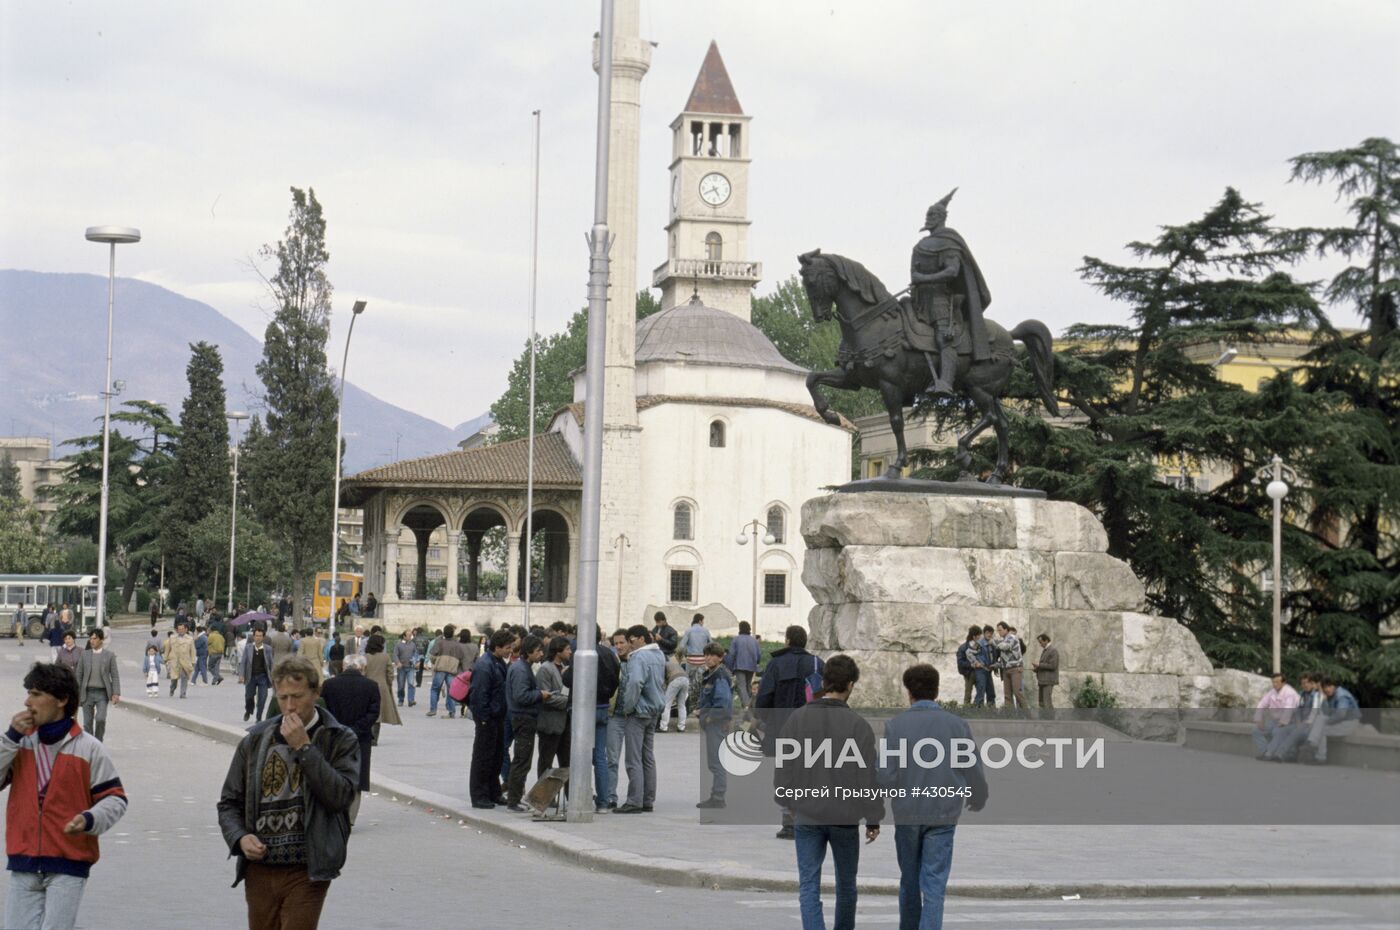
x: 899, y: 579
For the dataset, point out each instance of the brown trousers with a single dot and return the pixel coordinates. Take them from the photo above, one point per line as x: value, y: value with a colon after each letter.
x: 1011, y: 695
x: 282, y: 897
x: 1046, y: 696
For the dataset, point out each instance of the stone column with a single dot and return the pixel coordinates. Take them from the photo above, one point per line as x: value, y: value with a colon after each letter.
x: 420, y: 577
x: 391, y: 563
x: 453, y: 536
x: 474, y: 540
x: 512, y: 569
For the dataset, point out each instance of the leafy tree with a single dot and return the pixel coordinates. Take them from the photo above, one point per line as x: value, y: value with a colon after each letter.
x: 10, y: 489
x: 290, y: 457
x: 200, y: 478
x: 1143, y: 400
x: 25, y: 546
x: 1347, y: 582
x: 261, y: 560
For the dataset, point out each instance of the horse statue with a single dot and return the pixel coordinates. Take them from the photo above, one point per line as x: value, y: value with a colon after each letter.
x: 884, y: 346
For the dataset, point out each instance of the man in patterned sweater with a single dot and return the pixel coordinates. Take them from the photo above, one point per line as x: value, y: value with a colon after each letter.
x: 285, y: 803
x: 64, y: 791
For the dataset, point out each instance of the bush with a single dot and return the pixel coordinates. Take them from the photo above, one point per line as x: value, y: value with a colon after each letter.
x: 1094, y: 694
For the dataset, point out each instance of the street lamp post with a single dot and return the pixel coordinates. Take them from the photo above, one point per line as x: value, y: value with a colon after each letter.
x: 1279, y: 475
x: 355, y: 311
x: 621, y: 544
x: 237, y: 418
x: 751, y: 529
x: 113, y: 236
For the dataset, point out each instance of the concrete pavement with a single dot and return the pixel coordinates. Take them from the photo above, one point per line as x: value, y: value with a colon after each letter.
x: 427, y: 759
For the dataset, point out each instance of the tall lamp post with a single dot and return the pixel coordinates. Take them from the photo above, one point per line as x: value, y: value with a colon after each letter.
x: 237, y: 418
x: 1279, y: 475
x: 751, y: 529
x: 113, y: 236
x: 355, y: 311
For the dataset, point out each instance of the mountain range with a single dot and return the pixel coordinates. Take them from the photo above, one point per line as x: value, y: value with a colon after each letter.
x: 53, y: 332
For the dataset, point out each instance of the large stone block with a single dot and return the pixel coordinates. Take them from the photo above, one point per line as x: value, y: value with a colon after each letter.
x: 1057, y: 526
x: 905, y: 574
x: 1095, y: 581
x: 971, y: 522
x: 821, y: 574
x: 1138, y: 690
x: 871, y: 519
x: 1161, y: 645
x: 1012, y: 577
x: 1086, y: 639
x: 882, y: 672
x: 821, y: 627
x: 910, y: 627
x: 1226, y: 687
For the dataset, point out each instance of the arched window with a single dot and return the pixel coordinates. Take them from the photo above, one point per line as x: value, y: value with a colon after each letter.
x: 717, y: 434
x: 681, y: 527
x: 714, y: 247
x: 777, y: 524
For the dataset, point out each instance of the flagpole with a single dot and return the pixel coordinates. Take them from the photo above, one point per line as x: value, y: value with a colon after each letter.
x: 530, y: 443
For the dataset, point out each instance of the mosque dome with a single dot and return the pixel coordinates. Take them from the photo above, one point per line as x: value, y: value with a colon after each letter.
x: 699, y: 335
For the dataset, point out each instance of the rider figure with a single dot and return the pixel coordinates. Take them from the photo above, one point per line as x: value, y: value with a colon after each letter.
x: 949, y: 292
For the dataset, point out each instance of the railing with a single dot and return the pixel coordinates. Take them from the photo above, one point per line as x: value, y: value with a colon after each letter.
x: 704, y: 268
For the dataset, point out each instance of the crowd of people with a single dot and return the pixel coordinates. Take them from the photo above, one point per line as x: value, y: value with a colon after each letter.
x: 1294, y: 727
x: 988, y: 654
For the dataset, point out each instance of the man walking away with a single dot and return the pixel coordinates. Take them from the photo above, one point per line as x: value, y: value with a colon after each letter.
x: 283, y: 806
x: 446, y: 656
x: 1047, y: 672
x: 927, y: 800
x: 641, y: 705
x: 742, y: 661
x: 405, y: 657
x: 64, y: 793
x: 201, y: 656
x: 353, y: 700
x: 692, y: 649
x: 255, y: 674
x: 785, y: 684
x: 830, y: 822
x: 487, y: 700
x: 714, y: 709
x: 523, y: 699
x: 335, y: 655
x: 99, y: 682
x: 216, y: 646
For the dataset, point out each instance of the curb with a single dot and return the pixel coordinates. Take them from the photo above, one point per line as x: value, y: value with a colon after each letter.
x: 734, y: 876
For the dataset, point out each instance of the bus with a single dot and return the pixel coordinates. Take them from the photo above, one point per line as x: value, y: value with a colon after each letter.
x: 348, y: 584
x: 35, y: 592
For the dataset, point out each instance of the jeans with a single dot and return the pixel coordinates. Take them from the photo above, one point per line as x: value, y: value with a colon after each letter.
x: 405, y: 680
x: 440, y: 682
x: 1323, y: 727
x: 201, y: 669
x: 983, y: 691
x: 43, y: 901
x: 812, y: 842
x: 1262, y: 737
x: 679, y: 691
x: 925, y: 855
x: 714, y: 736
x: 1284, y: 742
x: 488, y: 748
x: 616, y: 731
x: 522, y: 751
x: 183, y: 681
x: 639, y: 735
x: 601, y: 783
x: 256, y: 685
x: 214, y: 661
x: 743, y: 685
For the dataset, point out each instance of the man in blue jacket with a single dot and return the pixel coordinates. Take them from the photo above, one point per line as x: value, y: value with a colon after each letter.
x: 786, y: 680
x: 742, y: 661
x: 523, y: 699
x: 930, y: 797
x: 487, y: 701
x: 1341, y: 716
x: 642, y: 698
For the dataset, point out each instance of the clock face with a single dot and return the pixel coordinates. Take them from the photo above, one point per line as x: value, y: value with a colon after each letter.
x: 714, y: 188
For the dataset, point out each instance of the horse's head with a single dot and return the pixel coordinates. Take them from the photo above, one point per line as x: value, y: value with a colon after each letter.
x: 819, y: 281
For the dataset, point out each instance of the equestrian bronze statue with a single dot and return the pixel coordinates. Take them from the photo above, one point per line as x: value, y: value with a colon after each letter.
x: 936, y: 340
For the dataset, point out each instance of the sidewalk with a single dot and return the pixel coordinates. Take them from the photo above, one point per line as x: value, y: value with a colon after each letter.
x: 426, y: 759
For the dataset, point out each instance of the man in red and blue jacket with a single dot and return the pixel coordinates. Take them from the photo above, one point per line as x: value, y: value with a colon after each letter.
x: 64, y: 792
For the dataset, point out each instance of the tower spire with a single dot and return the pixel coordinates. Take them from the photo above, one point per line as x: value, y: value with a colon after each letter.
x: 713, y: 92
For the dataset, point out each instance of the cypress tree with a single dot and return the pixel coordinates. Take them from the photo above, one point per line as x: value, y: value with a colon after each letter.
x: 200, y: 479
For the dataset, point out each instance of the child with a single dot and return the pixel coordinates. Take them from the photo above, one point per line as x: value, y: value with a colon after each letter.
x: 152, y: 667
x: 715, y: 708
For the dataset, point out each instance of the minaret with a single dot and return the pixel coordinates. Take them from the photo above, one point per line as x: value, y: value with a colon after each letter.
x: 707, y: 237
x: 621, y: 435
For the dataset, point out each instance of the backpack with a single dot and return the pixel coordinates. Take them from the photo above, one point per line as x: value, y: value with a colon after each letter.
x: 813, y: 680
x: 460, y: 686
x: 964, y: 666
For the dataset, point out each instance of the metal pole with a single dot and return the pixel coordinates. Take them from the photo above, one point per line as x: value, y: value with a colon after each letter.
x: 621, y: 544
x: 754, y: 610
x: 233, y: 520
x: 355, y: 311
x: 599, y: 242
x: 106, y: 444
x: 1278, y: 571
x: 530, y: 443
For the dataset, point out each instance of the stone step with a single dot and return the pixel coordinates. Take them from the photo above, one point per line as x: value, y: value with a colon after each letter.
x: 1365, y: 749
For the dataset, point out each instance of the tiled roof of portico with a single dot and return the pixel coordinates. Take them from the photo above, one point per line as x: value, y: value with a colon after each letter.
x: 502, y: 465
x: 647, y: 401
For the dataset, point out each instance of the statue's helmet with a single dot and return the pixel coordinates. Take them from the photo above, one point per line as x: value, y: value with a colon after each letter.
x: 938, y: 213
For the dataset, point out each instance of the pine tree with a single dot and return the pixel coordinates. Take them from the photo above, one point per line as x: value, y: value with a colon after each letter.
x: 10, y: 488
x: 291, y: 461
x: 201, y: 473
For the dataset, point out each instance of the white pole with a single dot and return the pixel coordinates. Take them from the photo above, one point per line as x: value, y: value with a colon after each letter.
x: 233, y: 510
x: 753, y: 613
x: 530, y: 443
x: 1278, y: 572
x: 106, y: 444
x: 335, y: 502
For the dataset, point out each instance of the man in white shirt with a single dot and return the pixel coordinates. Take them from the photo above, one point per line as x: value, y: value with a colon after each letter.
x: 1275, y: 709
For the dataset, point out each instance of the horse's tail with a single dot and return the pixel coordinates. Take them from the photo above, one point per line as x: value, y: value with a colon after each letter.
x: 1040, y: 347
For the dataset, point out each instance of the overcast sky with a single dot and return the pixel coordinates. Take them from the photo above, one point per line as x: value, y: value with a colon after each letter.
x: 1070, y: 128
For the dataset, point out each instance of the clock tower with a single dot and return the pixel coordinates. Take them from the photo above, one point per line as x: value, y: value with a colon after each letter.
x: 708, y: 232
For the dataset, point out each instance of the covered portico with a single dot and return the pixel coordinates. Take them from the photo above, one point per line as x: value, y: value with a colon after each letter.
x: 472, y: 503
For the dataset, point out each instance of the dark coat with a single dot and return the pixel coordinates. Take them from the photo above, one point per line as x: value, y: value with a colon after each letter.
x: 487, y: 698
x: 1047, y: 667
x: 354, y: 699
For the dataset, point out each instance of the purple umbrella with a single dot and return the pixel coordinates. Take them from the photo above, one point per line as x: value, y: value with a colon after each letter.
x: 249, y: 617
